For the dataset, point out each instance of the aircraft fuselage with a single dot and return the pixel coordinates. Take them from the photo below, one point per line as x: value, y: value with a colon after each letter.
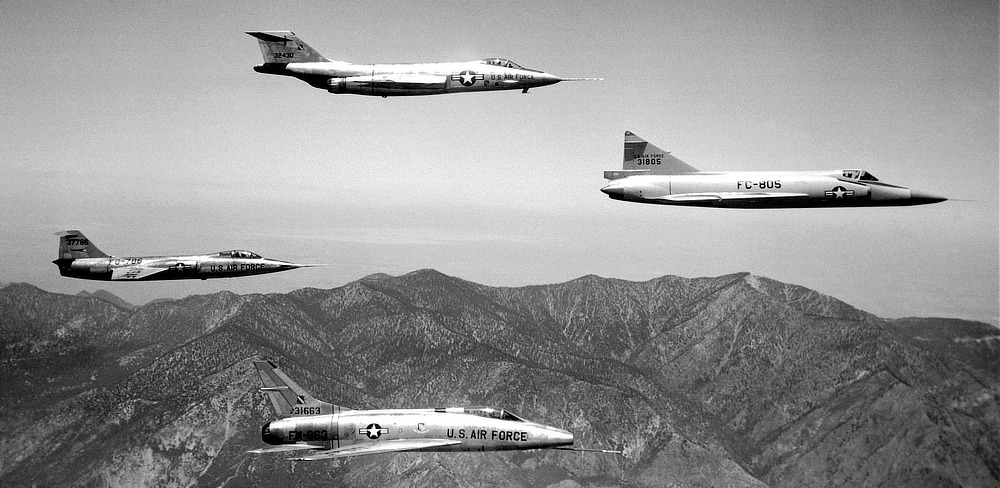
x: 285, y: 54
x: 472, y: 432
x: 410, y: 79
x: 762, y: 189
x: 168, y: 267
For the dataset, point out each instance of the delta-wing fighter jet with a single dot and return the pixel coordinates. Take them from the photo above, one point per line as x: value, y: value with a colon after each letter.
x: 80, y: 258
x: 325, y: 431
x: 285, y: 54
x: 652, y: 175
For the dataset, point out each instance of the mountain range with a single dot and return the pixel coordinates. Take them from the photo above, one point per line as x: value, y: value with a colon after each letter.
x: 736, y: 380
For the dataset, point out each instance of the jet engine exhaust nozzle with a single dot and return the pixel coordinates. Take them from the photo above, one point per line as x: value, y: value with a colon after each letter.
x: 268, y: 437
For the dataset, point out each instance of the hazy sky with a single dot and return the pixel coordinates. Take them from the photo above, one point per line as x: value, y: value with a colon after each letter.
x: 143, y: 125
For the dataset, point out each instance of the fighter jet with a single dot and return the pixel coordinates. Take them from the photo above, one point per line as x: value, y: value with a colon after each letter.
x: 80, y: 258
x: 331, y: 431
x: 285, y: 54
x: 651, y: 175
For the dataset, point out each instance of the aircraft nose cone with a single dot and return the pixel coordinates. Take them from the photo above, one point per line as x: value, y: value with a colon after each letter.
x: 925, y: 197
x: 283, y: 265
x: 543, y: 79
x: 614, y: 191
x: 560, y: 437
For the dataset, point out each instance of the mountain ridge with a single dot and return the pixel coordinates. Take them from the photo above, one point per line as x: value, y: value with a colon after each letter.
x: 738, y: 380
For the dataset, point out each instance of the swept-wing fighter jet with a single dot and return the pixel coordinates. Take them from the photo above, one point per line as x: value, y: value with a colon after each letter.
x: 330, y: 431
x: 80, y: 258
x: 286, y: 54
x: 651, y: 175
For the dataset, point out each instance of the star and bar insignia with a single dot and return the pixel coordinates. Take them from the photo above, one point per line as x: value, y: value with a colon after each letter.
x: 373, y: 431
x: 839, y: 192
x: 468, y: 78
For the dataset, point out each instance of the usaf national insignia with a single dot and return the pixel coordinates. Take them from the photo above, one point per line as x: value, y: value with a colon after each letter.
x: 373, y: 431
x: 467, y: 78
x: 839, y: 192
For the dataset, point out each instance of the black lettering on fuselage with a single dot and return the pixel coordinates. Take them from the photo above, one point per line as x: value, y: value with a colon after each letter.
x: 237, y: 267
x: 761, y: 185
x: 308, y: 435
x: 511, y: 76
x: 508, y: 435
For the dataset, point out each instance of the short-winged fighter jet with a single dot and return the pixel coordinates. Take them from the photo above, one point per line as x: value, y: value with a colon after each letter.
x: 80, y: 258
x: 286, y: 54
x: 329, y: 431
x: 651, y: 175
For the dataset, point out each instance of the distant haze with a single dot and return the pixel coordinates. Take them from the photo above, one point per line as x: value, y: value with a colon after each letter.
x: 144, y: 126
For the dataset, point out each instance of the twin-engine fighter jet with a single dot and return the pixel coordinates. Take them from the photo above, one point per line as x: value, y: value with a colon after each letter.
x: 285, y: 54
x: 80, y: 258
x: 652, y: 175
x: 331, y: 431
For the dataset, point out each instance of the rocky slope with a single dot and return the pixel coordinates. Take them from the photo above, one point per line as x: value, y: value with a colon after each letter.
x: 736, y: 380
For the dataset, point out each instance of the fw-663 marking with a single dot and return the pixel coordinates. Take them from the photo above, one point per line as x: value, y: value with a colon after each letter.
x: 331, y: 431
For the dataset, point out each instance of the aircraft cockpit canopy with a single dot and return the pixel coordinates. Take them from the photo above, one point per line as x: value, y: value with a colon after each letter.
x: 493, y: 413
x: 503, y: 63
x: 859, y: 175
x: 239, y: 254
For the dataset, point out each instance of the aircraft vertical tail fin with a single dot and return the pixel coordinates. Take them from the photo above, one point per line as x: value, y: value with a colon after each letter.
x: 74, y: 245
x: 283, y: 47
x: 643, y: 156
x: 288, y: 398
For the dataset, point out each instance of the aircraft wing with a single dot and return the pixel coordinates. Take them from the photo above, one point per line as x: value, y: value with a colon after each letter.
x: 134, y: 273
x: 722, y: 196
x: 378, y: 447
x: 286, y: 448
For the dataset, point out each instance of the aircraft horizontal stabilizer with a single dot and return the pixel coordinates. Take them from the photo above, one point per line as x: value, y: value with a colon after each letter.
x: 272, y: 36
x: 379, y: 447
x: 134, y: 273
x: 285, y: 448
x: 623, y: 173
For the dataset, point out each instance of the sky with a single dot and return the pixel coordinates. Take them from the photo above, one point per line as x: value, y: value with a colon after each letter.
x: 143, y: 125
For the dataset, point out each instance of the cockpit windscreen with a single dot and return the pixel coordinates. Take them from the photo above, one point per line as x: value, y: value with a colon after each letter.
x: 239, y: 254
x: 860, y: 175
x: 494, y: 413
x: 503, y: 63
